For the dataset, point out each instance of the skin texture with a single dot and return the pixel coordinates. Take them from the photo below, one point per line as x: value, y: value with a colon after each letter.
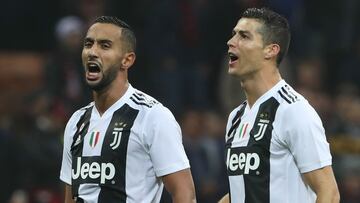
x: 256, y: 67
x: 103, y: 46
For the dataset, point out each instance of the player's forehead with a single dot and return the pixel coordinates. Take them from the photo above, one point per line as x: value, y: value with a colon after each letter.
x: 250, y: 25
x: 104, y: 31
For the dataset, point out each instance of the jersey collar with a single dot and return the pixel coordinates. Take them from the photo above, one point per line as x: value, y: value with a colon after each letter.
x: 123, y: 99
x: 267, y: 94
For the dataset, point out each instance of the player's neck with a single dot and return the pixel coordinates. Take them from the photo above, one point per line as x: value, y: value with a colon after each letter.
x: 106, y: 98
x: 259, y: 83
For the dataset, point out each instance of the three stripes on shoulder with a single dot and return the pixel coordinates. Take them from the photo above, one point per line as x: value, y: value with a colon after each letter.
x: 141, y: 99
x: 287, y: 94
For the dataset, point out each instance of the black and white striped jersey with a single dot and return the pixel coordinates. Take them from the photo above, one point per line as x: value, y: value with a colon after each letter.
x: 269, y: 146
x: 121, y: 155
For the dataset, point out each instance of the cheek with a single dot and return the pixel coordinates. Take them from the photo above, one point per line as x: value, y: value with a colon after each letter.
x: 83, y: 59
x: 83, y: 55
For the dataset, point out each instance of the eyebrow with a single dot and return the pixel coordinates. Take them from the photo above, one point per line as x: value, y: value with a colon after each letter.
x: 88, y: 39
x: 104, y: 41
x: 241, y: 32
x: 101, y: 41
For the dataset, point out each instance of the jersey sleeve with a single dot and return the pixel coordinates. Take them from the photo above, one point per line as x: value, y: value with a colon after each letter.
x: 164, y: 141
x: 303, y: 133
x: 70, y: 129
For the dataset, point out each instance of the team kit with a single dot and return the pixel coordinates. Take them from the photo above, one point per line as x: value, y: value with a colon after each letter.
x: 126, y: 147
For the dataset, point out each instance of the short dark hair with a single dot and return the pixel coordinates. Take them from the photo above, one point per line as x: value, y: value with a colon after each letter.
x: 275, y: 28
x: 127, y: 34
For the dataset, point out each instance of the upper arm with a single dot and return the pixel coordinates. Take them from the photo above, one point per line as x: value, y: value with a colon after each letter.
x: 68, y: 194
x: 323, y: 183
x: 180, y: 185
x: 163, y: 140
x: 225, y: 199
x: 302, y: 132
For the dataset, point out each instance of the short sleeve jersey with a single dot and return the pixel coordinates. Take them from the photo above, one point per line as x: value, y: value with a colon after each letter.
x: 269, y: 146
x: 121, y: 155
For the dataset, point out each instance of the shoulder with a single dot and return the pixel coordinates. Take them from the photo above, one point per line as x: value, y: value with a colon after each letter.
x: 294, y: 110
x: 149, y: 108
x: 143, y: 100
x: 293, y: 104
x: 75, y: 117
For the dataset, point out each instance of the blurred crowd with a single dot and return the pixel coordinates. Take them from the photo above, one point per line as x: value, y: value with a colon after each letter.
x: 181, y: 61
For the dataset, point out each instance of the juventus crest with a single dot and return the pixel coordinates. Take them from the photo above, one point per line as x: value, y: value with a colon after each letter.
x: 117, y: 132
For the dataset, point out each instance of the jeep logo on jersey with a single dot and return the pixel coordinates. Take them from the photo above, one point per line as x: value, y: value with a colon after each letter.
x: 240, y: 163
x: 96, y: 172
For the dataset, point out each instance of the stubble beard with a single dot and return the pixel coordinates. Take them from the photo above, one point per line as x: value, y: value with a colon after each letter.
x: 108, y: 77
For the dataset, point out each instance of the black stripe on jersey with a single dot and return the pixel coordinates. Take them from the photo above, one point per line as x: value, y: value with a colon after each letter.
x: 286, y: 99
x: 257, y: 185
x: 139, y: 102
x: 138, y: 96
x: 234, y: 124
x: 291, y: 92
x: 78, y: 144
x: 287, y: 94
x: 123, y: 119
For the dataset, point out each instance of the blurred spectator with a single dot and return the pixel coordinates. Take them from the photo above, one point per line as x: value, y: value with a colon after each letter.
x: 348, y: 173
x: 63, y: 72
x: 310, y: 82
x: 19, y: 196
x: 203, y: 133
x: 350, y: 71
x: 346, y: 121
x: 215, y: 181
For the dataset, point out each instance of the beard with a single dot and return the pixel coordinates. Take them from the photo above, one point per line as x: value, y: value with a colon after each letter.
x: 108, y: 77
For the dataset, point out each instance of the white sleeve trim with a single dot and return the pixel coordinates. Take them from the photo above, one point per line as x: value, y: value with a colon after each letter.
x: 172, y: 168
x: 314, y: 166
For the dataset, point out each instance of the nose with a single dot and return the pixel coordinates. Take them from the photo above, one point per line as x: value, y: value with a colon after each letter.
x: 230, y: 42
x: 91, y: 52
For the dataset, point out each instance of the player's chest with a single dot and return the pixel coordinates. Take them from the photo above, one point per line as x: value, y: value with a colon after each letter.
x: 108, y: 135
x: 241, y: 134
x: 251, y: 129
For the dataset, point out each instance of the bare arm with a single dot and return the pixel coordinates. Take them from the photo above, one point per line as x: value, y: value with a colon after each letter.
x: 68, y: 194
x: 225, y: 199
x: 180, y: 185
x: 323, y: 182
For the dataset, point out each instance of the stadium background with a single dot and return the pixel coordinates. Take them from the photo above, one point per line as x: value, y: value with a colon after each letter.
x: 181, y: 62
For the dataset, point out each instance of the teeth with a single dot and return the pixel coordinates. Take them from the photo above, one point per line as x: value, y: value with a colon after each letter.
x: 93, y: 65
x: 232, y: 56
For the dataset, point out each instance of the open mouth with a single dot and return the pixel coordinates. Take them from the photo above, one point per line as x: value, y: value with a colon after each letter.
x: 93, y: 67
x: 232, y: 57
x: 93, y: 71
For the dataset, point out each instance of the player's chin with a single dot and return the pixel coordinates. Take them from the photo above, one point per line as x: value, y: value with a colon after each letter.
x: 93, y: 83
x: 232, y: 71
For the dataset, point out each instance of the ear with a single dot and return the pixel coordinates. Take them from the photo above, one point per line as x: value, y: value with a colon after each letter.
x: 271, y: 51
x: 128, y: 60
